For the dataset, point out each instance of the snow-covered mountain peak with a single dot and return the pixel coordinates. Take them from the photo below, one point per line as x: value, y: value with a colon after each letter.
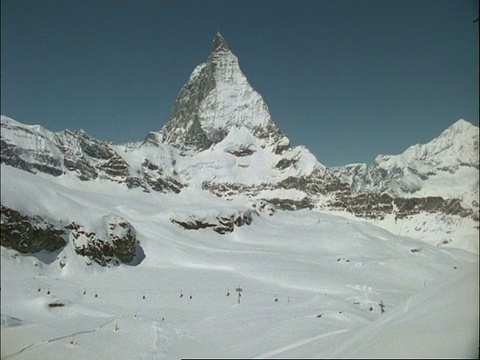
x: 456, y: 146
x: 446, y: 166
x: 461, y: 126
x: 216, y: 98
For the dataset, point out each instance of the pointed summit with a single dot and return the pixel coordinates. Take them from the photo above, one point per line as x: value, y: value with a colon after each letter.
x: 219, y: 44
x: 216, y: 98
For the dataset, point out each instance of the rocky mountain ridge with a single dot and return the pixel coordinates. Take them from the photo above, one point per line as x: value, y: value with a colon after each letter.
x: 455, y: 150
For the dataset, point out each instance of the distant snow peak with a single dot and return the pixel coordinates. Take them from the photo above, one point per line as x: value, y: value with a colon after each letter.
x: 461, y: 126
x: 446, y: 166
x: 216, y: 98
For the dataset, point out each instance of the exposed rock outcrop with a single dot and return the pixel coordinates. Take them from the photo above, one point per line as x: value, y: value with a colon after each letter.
x: 219, y: 223
x: 118, y: 243
x: 29, y: 234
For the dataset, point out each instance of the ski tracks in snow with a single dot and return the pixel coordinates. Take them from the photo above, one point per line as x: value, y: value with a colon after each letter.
x: 165, y: 334
x: 299, y: 343
x: 43, y: 342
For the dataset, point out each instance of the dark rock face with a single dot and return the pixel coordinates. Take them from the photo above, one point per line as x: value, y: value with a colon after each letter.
x: 290, y: 204
x: 157, y: 180
x: 185, y: 112
x: 319, y: 182
x: 376, y: 206
x: 219, y: 44
x: 33, y: 234
x: 12, y: 155
x: 29, y: 234
x: 118, y: 246
x: 243, y: 152
x: 221, y: 224
x: 263, y: 206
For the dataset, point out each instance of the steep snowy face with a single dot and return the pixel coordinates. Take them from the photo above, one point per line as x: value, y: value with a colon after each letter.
x: 216, y: 98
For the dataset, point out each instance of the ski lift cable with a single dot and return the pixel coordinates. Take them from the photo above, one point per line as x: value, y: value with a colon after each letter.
x: 160, y: 292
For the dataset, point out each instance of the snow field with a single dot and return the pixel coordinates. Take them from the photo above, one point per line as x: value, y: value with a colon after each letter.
x: 313, y: 284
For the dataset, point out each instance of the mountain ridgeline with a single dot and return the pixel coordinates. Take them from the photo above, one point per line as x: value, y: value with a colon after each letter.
x: 221, y: 139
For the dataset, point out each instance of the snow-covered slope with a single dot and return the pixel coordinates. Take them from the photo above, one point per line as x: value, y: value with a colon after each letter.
x: 312, y: 284
x: 429, y: 192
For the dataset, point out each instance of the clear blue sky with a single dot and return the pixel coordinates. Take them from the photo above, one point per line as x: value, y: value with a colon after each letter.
x: 348, y: 79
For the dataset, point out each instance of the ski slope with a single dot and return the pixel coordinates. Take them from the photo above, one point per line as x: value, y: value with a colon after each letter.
x: 314, y: 284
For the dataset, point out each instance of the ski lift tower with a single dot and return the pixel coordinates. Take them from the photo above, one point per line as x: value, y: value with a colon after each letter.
x: 239, y: 290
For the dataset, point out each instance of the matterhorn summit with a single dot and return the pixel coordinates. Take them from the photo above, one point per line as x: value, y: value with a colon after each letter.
x: 216, y: 98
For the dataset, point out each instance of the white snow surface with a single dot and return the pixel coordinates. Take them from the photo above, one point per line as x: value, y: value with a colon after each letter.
x: 313, y: 284
x: 220, y: 164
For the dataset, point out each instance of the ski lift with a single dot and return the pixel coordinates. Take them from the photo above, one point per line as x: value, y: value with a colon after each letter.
x: 239, y: 290
x: 382, y: 306
x: 84, y: 291
x: 96, y: 295
x: 143, y: 297
x: 276, y: 299
x: 39, y: 289
x: 228, y: 292
x: 190, y: 296
x: 48, y: 292
x: 181, y: 294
